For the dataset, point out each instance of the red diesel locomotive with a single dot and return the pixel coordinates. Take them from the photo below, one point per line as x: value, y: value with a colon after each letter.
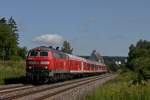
x: 44, y: 64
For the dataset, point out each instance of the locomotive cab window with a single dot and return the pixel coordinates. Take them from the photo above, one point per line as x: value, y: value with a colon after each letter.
x: 43, y: 53
x: 33, y: 53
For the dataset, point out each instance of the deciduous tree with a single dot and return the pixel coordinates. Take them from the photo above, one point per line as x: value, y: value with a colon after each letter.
x: 8, y: 38
x: 139, y: 58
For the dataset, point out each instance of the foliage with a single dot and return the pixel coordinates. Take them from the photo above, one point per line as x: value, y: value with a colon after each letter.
x: 112, y: 67
x: 16, y: 58
x: 66, y: 47
x: 139, y: 59
x: 110, y: 61
x: 10, y: 70
x: 120, y: 89
x: 9, y: 36
x: 21, y: 52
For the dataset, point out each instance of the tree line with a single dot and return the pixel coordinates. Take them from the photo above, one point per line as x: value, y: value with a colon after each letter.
x: 9, y: 44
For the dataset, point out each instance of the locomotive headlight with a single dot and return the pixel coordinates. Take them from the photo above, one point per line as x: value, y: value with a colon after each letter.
x: 44, y: 62
x: 46, y: 67
x: 30, y: 67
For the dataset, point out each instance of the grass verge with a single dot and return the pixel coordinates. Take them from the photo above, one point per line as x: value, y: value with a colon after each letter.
x: 121, y: 89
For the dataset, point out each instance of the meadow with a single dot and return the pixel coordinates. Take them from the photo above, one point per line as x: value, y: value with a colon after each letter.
x: 121, y: 89
x: 12, y: 72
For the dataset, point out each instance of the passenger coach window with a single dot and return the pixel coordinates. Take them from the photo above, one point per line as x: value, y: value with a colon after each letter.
x: 43, y: 53
x: 33, y: 53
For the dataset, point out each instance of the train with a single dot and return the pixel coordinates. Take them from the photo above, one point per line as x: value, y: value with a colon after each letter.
x: 45, y: 64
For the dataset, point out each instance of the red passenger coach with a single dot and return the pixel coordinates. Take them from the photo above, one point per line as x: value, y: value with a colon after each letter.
x: 44, y: 64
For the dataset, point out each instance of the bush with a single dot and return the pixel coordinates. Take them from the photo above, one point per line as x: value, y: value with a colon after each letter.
x: 10, y: 70
x: 16, y: 58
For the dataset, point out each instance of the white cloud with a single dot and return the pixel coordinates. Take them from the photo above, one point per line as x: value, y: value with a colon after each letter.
x: 47, y: 39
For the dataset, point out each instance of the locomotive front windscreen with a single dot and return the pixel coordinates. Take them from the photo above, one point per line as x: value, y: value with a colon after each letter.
x: 38, y: 53
x: 33, y: 53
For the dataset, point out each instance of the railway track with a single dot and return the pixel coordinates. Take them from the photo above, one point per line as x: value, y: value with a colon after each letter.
x: 2, y: 87
x: 15, y: 88
x: 45, y: 91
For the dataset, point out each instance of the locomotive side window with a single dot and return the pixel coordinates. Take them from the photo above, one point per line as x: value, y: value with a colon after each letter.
x: 59, y: 55
x: 43, y: 53
x: 33, y: 53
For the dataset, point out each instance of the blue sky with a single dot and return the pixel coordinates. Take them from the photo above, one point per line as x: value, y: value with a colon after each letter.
x: 109, y: 26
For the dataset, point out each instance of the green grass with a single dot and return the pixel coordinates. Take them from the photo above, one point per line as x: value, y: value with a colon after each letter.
x: 11, y: 71
x: 121, y: 89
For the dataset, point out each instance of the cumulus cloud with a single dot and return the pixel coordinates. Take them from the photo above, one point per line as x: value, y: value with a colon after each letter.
x: 53, y: 39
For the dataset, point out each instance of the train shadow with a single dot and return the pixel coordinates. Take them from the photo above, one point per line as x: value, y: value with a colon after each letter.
x: 23, y: 80
x: 16, y: 80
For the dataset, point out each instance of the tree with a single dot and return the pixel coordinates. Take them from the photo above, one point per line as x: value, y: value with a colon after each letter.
x: 66, y: 47
x: 5, y: 38
x: 8, y: 38
x: 139, y: 58
x: 3, y: 20
x: 14, y: 28
x: 22, y: 51
x: 14, y: 32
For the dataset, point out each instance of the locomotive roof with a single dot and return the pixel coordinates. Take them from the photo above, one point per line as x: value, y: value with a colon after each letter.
x: 45, y: 48
x: 41, y: 48
x: 75, y: 57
